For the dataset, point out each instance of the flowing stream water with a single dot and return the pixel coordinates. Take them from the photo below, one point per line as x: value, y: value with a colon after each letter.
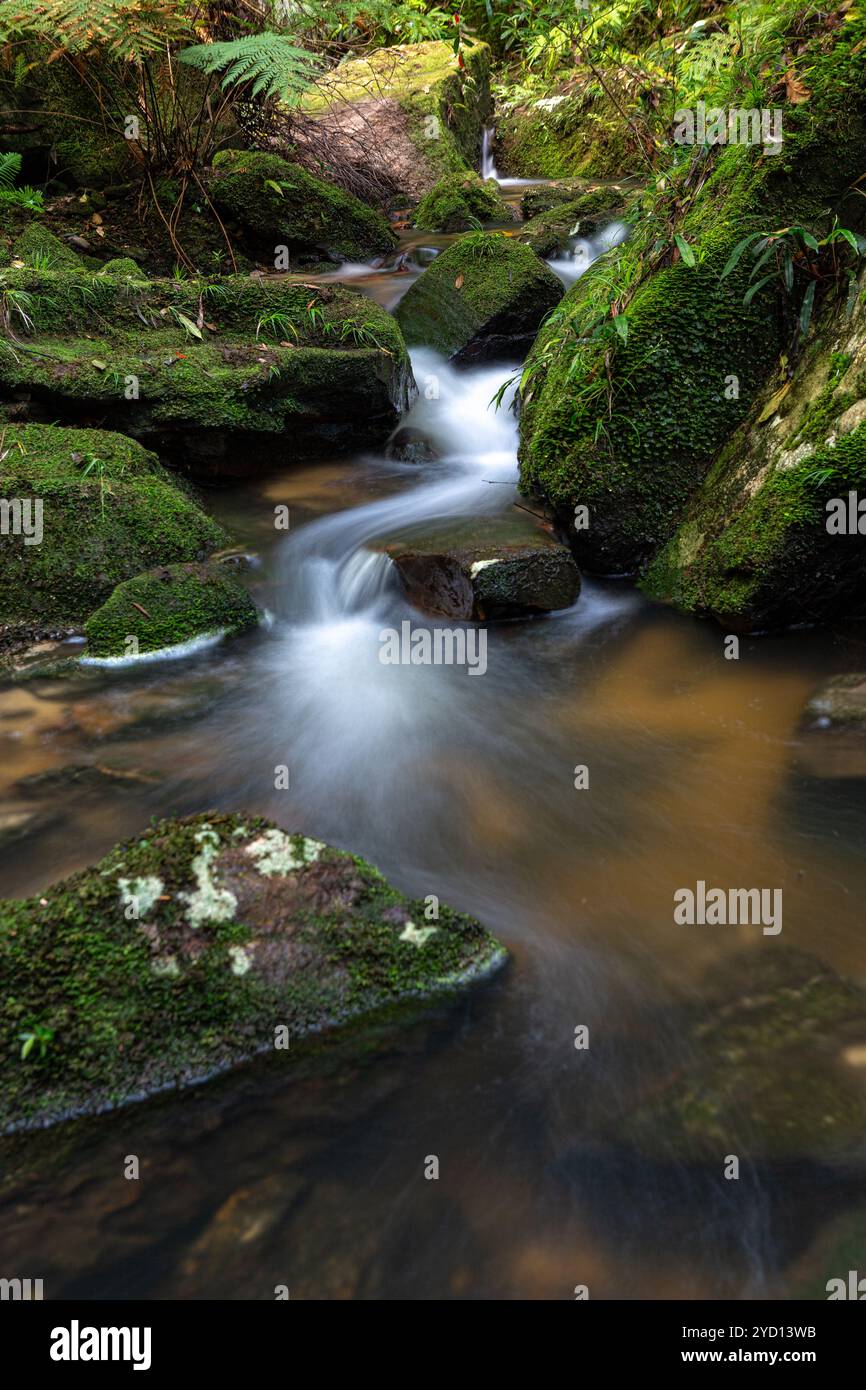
x: 311, y: 1173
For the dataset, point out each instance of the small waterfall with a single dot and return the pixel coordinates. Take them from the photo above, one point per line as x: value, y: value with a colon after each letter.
x: 488, y: 167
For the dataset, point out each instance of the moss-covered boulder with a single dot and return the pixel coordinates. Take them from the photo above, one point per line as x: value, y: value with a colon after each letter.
x: 212, y: 372
x: 550, y: 230
x: 166, y: 607
x: 399, y: 119
x: 772, y: 1072
x: 38, y: 246
x: 278, y: 203
x: 123, y: 266
x: 497, y: 567
x: 106, y: 510
x: 565, y: 135
x: 482, y: 299
x: 460, y: 202
x: 198, y: 944
x: 628, y: 425
x: 771, y: 537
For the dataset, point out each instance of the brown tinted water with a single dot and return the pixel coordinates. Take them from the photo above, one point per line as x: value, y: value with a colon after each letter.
x: 309, y: 1172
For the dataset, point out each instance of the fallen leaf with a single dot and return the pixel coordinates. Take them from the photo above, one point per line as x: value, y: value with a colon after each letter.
x: 458, y: 283
x: 796, y: 90
x: 774, y: 402
x: 96, y: 220
x: 140, y: 609
x: 100, y: 366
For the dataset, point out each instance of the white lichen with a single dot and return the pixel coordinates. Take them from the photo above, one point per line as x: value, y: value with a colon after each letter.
x: 140, y: 893
x: 275, y: 852
x: 480, y: 565
x: 417, y: 935
x: 209, y: 903
x: 241, y: 960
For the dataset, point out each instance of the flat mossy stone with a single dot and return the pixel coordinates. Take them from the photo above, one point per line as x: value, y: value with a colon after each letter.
x: 109, y: 511
x: 166, y: 607
x: 281, y: 203
x: 484, y: 298
x: 194, y: 946
x: 461, y: 202
x: 271, y: 357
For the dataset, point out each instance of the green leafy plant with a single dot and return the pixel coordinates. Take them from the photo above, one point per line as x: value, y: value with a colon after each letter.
x: 36, y: 1036
x: 800, y: 264
x: 270, y: 65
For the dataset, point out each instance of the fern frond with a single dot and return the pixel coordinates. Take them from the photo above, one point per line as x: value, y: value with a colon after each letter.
x: 10, y: 168
x: 270, y: 62
x: 127, y: 29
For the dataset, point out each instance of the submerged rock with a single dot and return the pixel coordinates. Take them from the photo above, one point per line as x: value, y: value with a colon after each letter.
x: 497, y: 569
x: 398, y: 120
x: 166, y: 607
x: 109, y: 511
x: 305, y: 214
x: 833, y: 730
x: 198, y: 944
x: 481, y: 300
x: 460, y: 203
x: 211, y: 372
x: 775, y: 1068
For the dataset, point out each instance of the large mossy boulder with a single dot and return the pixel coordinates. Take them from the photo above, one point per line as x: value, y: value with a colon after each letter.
x: 214, y: 373
x: 566, y: 135
x: 198, y: 944
x: 483, y: 299
x: 167, y: 607
x: 282, y: 204
x: 772, y: 1069
x: 36, y: 245
x: 400, y: 119
x: 627, y: 426
x: 497, y: 567
x: 460, y: 203
x: 770, y: 539
x: 108, y: 511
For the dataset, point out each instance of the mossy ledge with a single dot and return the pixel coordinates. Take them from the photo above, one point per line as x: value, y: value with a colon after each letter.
x: 186, y: 949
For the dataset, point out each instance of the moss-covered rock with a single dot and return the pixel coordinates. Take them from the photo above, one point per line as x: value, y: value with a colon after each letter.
x: 460, y: 202
x: 482, y: 299
x: 496, y: 567
x: 269, y: 356
x: 166, y: 607
x: 758, y: 546
x: 278, y: 203
x: 771, y: 1068
x: 566, y: 135
x: 124, y: 266
x: 198, y: 944
x: 108, y: 511
x: 402, y: 117
x: 37, y: 244
x: 628, y: 428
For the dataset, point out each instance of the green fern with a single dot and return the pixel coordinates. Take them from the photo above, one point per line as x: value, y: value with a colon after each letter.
x: 128, y: 29
x: 10, y: 168
x: 271, y: 62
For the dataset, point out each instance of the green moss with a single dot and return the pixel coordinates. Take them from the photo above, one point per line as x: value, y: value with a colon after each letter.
x: 306, y: 212
x: 109, y: 511
x: 37, y: 242
x: 632, y: 436
x: 184, y: 950
x: 753, y: 548
x: 168, y: 606
x: 503, y: 294
x: 426, y: 80
x: 565, y: 136
x: 460, y: 202
x: 134, y: 349
x: 123, y: 266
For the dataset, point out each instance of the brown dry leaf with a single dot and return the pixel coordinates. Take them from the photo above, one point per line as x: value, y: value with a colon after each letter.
x: 458, y: 283
x: 96, y: 220
x: 774, y: 402
x: 796, y: 90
